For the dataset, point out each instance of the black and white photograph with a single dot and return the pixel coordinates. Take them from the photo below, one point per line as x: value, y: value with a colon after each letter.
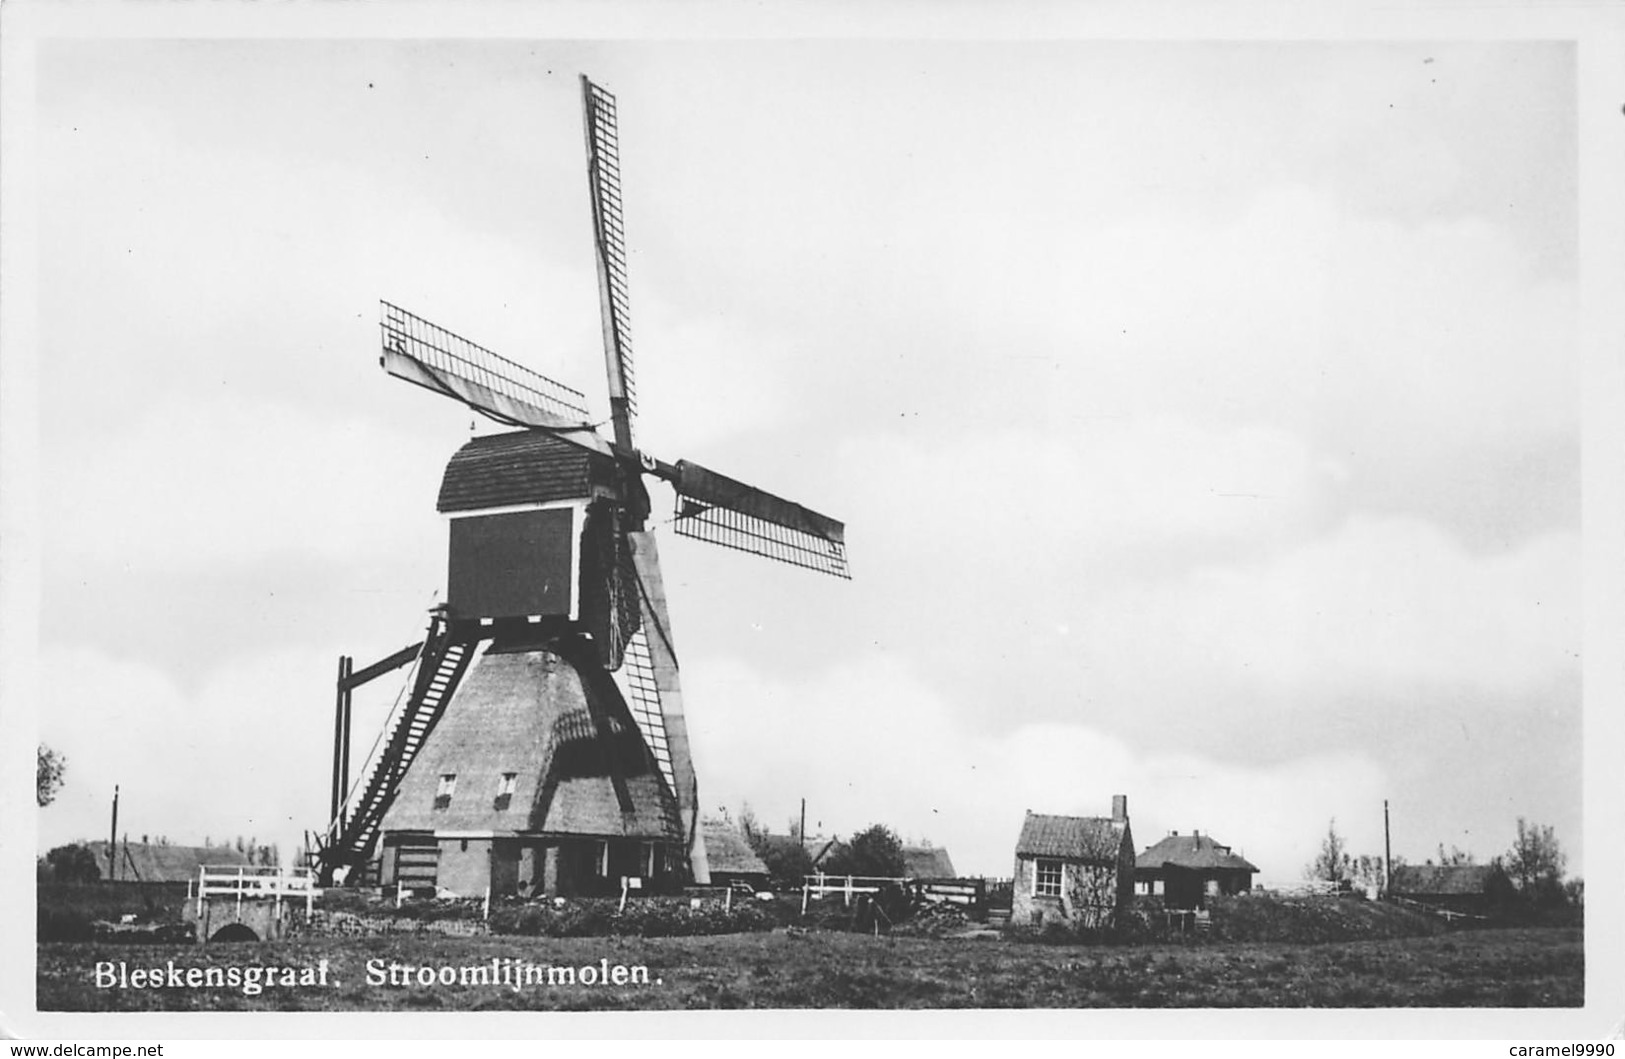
x: 1048, y: 524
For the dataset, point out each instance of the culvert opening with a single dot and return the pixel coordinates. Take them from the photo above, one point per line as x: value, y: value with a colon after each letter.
x: 235, y: 932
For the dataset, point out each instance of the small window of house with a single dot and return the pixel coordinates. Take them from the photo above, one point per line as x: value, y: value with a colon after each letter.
x: 1048, y: 881
x: 448, y: 787
x: 603, y: 859
x: 505, y: 790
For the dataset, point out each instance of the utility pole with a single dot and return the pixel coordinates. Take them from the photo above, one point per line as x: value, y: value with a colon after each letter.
x: 112, y: 840
x: 1387, y: 851
x: 803, y: 835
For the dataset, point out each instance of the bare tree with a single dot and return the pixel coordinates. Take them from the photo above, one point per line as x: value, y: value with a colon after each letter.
x: 1535, y: 862
x: 1332, y: 863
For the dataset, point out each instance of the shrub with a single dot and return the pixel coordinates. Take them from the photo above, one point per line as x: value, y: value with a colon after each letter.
x: 73, y: 863
x: 441, y: 908
x: 64, y: 924
x: 647, y: 917
x: 876, y: 851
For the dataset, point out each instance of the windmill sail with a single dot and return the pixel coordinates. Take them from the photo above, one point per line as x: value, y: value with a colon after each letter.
x: 658, y: 700
x: 715, y: 508
x: 437, y: 359
x: 609, y: 239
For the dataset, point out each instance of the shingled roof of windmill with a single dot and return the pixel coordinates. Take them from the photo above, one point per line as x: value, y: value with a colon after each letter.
x: 1089, y: 838
x: 524, y: 467
x: 580, y: 765
x: 1195, y: 852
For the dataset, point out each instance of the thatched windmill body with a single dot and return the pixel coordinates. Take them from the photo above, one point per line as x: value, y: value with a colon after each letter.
x: 540, y: 744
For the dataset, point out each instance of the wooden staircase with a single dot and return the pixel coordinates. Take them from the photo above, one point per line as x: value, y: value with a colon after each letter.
x: 440, y: 668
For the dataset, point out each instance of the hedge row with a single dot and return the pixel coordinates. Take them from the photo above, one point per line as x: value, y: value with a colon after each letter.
x: 649, y: 918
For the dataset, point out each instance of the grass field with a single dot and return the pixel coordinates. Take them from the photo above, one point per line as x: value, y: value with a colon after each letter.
x: 1522, y: 967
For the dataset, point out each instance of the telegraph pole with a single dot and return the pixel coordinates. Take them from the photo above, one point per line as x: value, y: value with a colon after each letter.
x: 112, y: 840
x: 1387, y: 851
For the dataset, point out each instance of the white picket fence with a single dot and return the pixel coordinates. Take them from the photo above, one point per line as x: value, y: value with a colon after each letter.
x: 252, y: 883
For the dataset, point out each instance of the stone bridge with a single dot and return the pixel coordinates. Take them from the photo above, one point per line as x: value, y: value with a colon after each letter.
x: 249, y: 904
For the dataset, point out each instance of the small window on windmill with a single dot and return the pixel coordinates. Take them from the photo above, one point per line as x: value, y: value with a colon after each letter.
x: 448, y: 787
x: 505, y: 790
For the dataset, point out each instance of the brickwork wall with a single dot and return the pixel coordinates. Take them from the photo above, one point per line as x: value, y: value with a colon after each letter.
x: 1089, y: 895
x: 465, y: 872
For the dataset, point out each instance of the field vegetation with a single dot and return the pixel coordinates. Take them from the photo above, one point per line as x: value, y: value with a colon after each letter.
x: 1520, y: 967
x: 1260, y: 952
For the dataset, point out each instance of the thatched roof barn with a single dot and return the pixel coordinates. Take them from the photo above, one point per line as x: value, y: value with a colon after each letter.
x: 144, y: 862
x: 928, y: 862
x: 1470, y: 888
x: 730, y: 857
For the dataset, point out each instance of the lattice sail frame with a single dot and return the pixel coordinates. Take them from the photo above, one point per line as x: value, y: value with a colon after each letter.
x: 609, y: 235
x: 469, y: 372
x: 712, y: 507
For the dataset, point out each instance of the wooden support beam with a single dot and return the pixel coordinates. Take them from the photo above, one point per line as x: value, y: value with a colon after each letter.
x: 378, y: 669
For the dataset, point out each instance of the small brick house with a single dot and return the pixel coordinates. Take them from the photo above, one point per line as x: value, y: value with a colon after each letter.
x: 1073, y: 870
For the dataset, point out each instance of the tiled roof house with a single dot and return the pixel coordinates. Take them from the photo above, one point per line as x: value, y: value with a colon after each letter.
x: 1075, y: 870
x: 1185, y: 869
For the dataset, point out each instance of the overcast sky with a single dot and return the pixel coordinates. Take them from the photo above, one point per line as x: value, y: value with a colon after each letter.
x: 1205, y: 417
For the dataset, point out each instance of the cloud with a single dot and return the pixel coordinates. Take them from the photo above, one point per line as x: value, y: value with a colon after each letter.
x: 232, y: 481
x: 1381, y: 605
x: 868, y: 743
x: 246, y: 753
x: 1093, y: 496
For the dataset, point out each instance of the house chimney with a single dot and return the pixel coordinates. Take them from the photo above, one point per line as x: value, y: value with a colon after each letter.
x: 1119, y: 808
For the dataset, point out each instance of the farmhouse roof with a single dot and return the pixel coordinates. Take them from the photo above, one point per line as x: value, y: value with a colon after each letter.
x: 1194, y: 853
x: 816, y: 846
x: 727, y: 851
x: 143, y: 862
x: 526, y: 467
x: 927, y: 862
x: 1094, y: 838
x: 1441, y: 879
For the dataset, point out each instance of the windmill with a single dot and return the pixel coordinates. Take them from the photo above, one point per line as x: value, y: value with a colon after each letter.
x: 540, y: 743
